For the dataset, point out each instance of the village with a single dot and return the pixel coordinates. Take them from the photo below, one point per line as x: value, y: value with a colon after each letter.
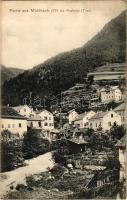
x: 90, y: 119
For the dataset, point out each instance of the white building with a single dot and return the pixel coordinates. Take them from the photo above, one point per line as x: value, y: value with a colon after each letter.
x: 110, y: 94
x: 72, y: 115
x: 82, y: 120
x: 47, y: 119
x: 24, y: 110
x: 34, y: 122
x: 12, y: 121
x: 104, y: 120
x: 120, y: 110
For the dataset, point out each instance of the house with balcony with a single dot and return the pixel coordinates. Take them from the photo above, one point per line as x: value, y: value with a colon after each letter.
x: 109, y: 94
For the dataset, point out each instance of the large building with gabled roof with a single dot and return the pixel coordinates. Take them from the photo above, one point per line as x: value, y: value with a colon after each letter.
x: 104, y: 120
x: 47, y: 119
x: 82, y: 120
x: 12, y: 121
x: 24, y: 110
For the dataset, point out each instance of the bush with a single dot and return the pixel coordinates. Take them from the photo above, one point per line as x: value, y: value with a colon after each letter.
x: 58, y: 170
x: 11, y: 155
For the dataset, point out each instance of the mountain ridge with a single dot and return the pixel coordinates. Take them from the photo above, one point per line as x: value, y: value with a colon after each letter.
x: 9, y: 72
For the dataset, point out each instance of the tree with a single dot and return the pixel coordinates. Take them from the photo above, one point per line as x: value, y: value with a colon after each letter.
x: 89, y: 132
x: 34, y: 144
x: 117, y: 132
x: 61, y: 148
x: 11, y: 154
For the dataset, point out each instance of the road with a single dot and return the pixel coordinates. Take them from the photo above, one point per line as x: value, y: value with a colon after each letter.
x: 18, y: 176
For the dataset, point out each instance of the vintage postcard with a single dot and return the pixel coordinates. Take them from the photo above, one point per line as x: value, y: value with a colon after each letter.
x: 63, y: 100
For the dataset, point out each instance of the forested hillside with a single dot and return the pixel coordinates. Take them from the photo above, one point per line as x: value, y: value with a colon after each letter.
x: 64, y: 70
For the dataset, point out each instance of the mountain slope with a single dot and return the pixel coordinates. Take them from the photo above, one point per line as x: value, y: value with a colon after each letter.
x: 64, y: 70
x: 8, y: 73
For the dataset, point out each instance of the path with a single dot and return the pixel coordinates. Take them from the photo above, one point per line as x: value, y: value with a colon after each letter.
x: 17, y: 176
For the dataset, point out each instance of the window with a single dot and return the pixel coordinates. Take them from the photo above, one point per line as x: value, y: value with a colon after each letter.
x: 45, y: 124
x: 49, y: 118
x: 90, y: 125
x: 109, y: 123
x: 39, y: 124
x: 85, y: 124
x: 9, y: 126
x: 13, y: 125
x: 2, y: 126
x: 111, y: 115
x: 45, y: 118
x: 20, y: 125
x: 50, y: 124
x: 96, y: 124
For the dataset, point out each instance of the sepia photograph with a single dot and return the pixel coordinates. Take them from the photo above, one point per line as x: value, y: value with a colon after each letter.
x: 63, y: 100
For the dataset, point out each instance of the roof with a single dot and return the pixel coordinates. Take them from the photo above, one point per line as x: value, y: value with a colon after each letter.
x: 120, y: 107
x: 82, y: 115
x: 18, y: 108
x: 71, y: 111
x: 55, y: 131
x: 99, y: 115
x: 10, y: 113
x: 109, y: 88
x: 78, y: 141
x: 94, y: 167
x: 34, y: 118
x: 42, y: 110
x: 114, y: 87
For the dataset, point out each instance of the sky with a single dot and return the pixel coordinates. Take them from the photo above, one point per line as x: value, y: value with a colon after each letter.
x: 31, y: 37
